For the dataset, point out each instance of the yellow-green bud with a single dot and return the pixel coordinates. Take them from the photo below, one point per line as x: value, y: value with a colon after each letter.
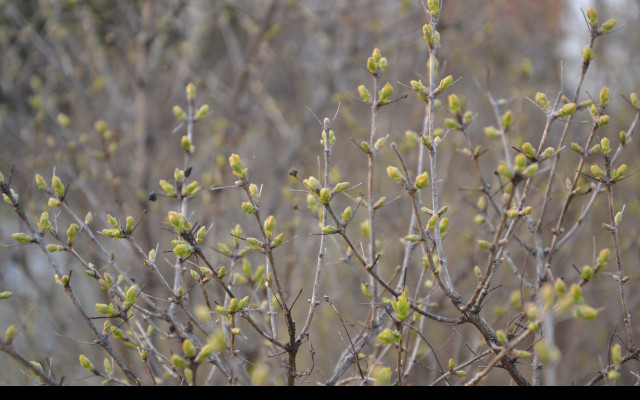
x: 248, y: 207
x: 179, y: 113
x: 483, y: 244
x: 634, y: 100
x: 451, y: 364
x: 597, y: 171
x: 188, y: 348
x: 587, y: 273
x: 328, y: 230
x: 452, y: 124
x: 454, y: 104
x: 186, y: 144
x: 202, y: 112
x: 585, y: 312
x: 491, y: 131
x: 346, y: 215
x: 587, y: 54
x: 567, y: 109
x: 592, y: 16
x: 204, y: 353
x: 603, y: 120
x: 445, y: 83
x: 182, y: 250
x: 613, y: 375
x: 177, y: 361
x: 507, y: 120
x: 365, y: 95
x: 167, y: 188
x: 394, y: 173
x: 254, y: 243
x: 40, y: 181
x: 418, y: 86
x: 22, y: 238
x: 278, y: 239
x: 561, y: 288
x: 54, y: 247
x: 501, y: 336
x: 616, y: 354
x: 604, y: 96
x: 325, y: 195
x: 86, y: 364
x: 191, y: 91
x: 467, y: 117
x: 505, y: 172
x: 9, y: 334
x: 236, y: 165
x: 526, y: 211
x: 5, y: 295
x: 530, y: 170
x: 371, y: 65
x: 269, y: 224
x: 341, y: 187
x: 619, y: 172
x: 542, y: 100
x: 422, y: 180
x: 386, y: 92
x: 608, y: 25
x: 57, y: 186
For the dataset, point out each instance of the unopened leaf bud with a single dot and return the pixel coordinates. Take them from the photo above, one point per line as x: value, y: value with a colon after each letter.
x: 603, y: 120
x: 202, y: 112
x: 592, y: 16
x: 608, y: 25
x: 542, y: 100
x: 587, y: 54
x: 188, y: 348
x: 394, y: 173
x: 452, y: 124
x: 422, y: 180
x: 248, y: 207
x: 191, y: 91
x: 179, y: 113
x: 22, y: 238
x: 57, y: 186
x: 40, y: 181
x: 491, y: 131
x: 445, y: 83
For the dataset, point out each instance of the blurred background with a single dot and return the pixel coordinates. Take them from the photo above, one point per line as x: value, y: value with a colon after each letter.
x: 262, y: 66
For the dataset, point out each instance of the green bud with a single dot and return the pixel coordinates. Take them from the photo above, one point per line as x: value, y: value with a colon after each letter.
x: 592, y: 16
x: 526, y: 211
x: 236, y: 165
x: 452, y: 124
x: 422, y: 180
x: 587, y: 54
x: 202, y: 112
x: 341, y: 187
x: 507, y: 120
x: 483, y: 244
x: 201, y: 234
x: 467, y: 117
x: 191, y: 91
x: 379, y: 203
x: 365, y: 95
x: 418, y: 86
x: 188, y: 348
x: 54, y: 247
x: 5, y: 295
x: 567, y: 109
x: 182, y: 250
x: 444, y: 225
x: 254, y: 243
x: 635, y: 101
x: 577, y: 148
x: 269, y: 225
x: 619, y: 172
x: 383, y: 64
x: 179, y: 113
x: 520, y: 162
x: 434, y: 7
x: 505, y: 172
x: 371, y: 65
x: 9, y: 334
x: 86, y: 364
x: 616, y: 354
x: 22, y: 238
x: 328, y: 230
x: 587, y: 273
x: 105, y: 309
x: 325, y: 195
x: 44, y: 224
x: 411, y: 238
x: 597, y: 171
x: 312, y: 183
x: 595, y: 149
x: 531, y: 170
x: 528, y: 149
x: 248, y: 207
x: 167, y: 188
x: 585, y: 312
x: 204, y: 353
x: 454, y: 104
x: 624, y: 139
x: 445, y: 83
x: 40, y: 181
x: 608, y: 25
x: 603, y: 120
x: 386, y: 92
x: 502, y: 337
x: 131, y: 294
x: 177, y: 361
x: 57, y: 186
x: 613, y: 375
x: 346, y: 215
x: 451, y: 364
x: 394, y: 173
x: 491, y: 132
x: 389, y: 337
x: 542, y: 100
x: 278, y: 239
x: 604, y: 96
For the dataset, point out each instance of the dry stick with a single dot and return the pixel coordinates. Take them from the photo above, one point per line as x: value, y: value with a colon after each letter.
x: 7, y: 348
x: 323, y: 238
x: 371, y: 210
x: 38, y: 239
x: 616, y: 246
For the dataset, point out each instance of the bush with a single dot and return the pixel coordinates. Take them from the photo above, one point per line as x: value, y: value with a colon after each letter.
x: 502, y: 241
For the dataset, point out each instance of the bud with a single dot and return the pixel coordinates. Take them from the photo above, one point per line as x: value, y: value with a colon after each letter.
x: 254, y: 243
x: 325, y: 195
x: 526, y: 211
x: 278, y: 240
x: 188, y: 348
x: 191, y: 91
x: 22, y: 238
x: 312, y: 183
x: 386, y: 92
x: 445, y: 83
x: 182, y: 250
x: 177, y: 361
x: 192, y: 189
x: 179, y: 113
x: 57, y: 186
x: 585, y: 312
x: 248, y: 207
x: 394, y: 173
x: 616, y: 354
x: 167, y: 188
x: 531, y: 170
x: 434, y: 7
x: 346, y: 215
x: 454, y: 104
x: 491, y: 131
x: 201, y: 234
x: 328, y: 230
x: 452, y: 124
x: 383, y: 63
x: 501, y: 336
x: 422, y: 180
x: 634, y: 100
x: 365, y: 95
x: 505, y: 172
x: 202, y: 112
x: 619, y: 172
x: 236, y: 165
x: 40, y: 181
x: 613, y: 375
x: 587, y: 54
x: 371, y: 65
x: 542, y: 100
x: 466, y: 118
x: 269, y: 224
x: 592, y: 16
x: 567, y: 109
x: 341, y: 187
x: 86, y: 364
x: 587, y: 273
x: 9, y: 334
x: 418, y: 86
x: 411, y: 238
x: 603, y: 120
x: 507, y: 120
x: 186, y: 144
x: 604, y: 96
x: 608, y: 25
x: 483, y: 244
x: 597, y: 171
x: 577, y: 148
